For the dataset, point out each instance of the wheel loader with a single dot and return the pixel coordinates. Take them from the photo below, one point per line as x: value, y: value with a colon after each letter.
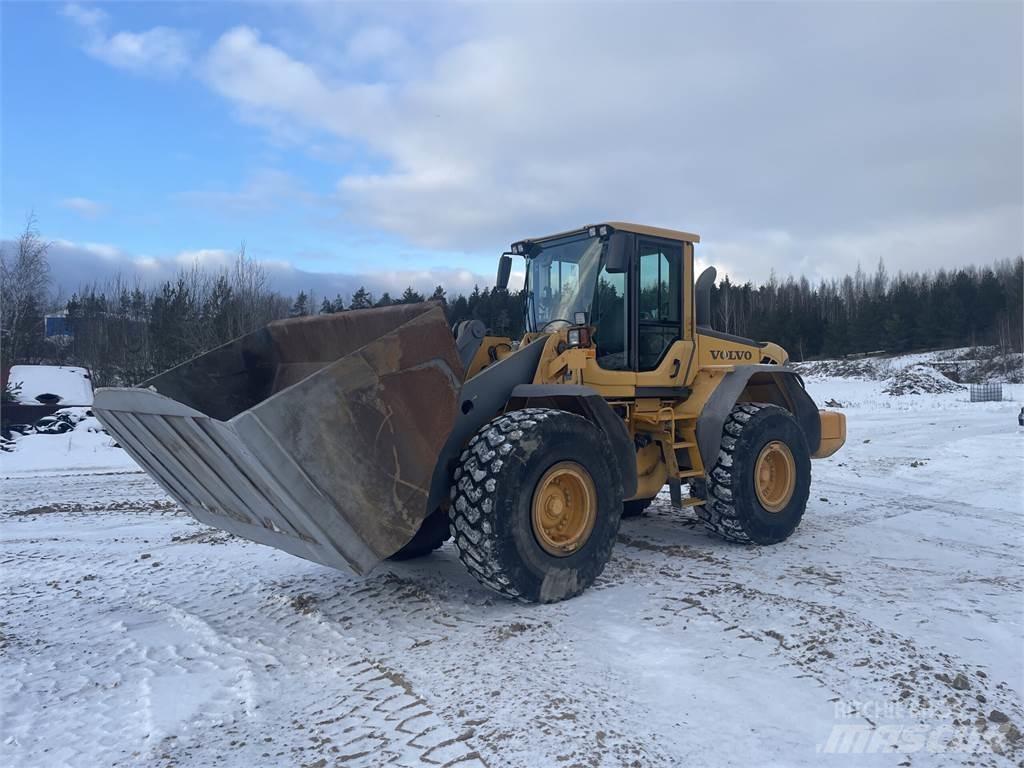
x: 356, y: 437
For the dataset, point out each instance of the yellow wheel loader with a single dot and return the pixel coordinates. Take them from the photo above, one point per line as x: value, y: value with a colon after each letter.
x: 351, y: 438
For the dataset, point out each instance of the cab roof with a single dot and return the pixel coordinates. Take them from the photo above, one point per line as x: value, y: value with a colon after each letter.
x: 625, y: 226
x: 643, y: 229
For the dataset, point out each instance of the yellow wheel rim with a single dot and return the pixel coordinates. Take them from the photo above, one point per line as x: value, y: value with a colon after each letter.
x: 564, y: 509
x: 775, y: 476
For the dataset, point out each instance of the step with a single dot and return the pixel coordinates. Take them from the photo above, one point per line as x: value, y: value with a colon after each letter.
x: 680, y: 446
x: 692, y: 502
x: 685, y: 473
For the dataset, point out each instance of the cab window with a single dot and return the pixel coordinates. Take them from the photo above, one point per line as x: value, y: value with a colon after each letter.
x: 659, y: 301
x: 610, y: 326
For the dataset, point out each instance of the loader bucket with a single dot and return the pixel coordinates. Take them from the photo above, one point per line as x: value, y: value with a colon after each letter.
x: 315, y: 435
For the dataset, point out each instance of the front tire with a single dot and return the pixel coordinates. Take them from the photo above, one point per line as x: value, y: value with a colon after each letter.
x: 757, y: 491
x: 536, y: 504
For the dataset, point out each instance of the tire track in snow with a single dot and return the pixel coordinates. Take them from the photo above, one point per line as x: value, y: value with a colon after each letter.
x: 503, y: 667
x: 850, y: 656
x: 355, y: 710
x: 414, y: 658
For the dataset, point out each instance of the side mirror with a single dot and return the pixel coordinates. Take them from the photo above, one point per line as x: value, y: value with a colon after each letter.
x: 620, y: 247
x: 504, y: 270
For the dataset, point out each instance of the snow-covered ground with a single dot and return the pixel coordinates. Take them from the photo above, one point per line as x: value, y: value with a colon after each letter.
x: 87, y: 449
x: 887, y: 631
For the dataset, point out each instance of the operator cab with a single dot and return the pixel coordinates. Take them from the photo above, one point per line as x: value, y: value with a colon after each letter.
x: 597, y: 275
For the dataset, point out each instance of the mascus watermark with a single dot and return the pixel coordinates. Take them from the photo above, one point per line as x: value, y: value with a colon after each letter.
x: 886, y: 727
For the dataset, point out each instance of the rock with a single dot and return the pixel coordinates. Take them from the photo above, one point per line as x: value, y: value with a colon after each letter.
x: 960, y: 682
x: 998, y: 717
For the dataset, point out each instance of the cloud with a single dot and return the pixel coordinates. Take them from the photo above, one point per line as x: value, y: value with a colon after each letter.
x: 264, y: 190
x: 800, y: 137
x: 266, y: 82
x: 160, y: 50
x: 76, y: 265
x: 83, y: 206
x: 835, y: 124
x: 213, y: 259
x: 84, y: 17
x: 86, y: 252
x: 375, y: 42
x: 921, y: 244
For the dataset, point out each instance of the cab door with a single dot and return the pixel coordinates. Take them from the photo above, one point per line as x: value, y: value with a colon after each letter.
x: 643, y: 323
x: 662, y: 349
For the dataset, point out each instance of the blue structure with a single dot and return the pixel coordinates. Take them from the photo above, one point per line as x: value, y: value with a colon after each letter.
x: 57, y: 325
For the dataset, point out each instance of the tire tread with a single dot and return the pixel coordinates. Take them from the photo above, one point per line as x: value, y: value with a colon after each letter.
x: 479, y: 465
x: 718, y: 513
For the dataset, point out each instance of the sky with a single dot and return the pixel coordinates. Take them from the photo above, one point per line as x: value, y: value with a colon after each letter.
x: 393, y: 143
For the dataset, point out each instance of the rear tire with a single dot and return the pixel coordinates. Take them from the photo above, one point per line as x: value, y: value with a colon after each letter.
x: 758, y: 441
x: 500, y: 484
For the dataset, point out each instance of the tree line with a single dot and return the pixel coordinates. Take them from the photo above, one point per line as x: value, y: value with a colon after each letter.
x: 127, y: 332
x: 859, y: 313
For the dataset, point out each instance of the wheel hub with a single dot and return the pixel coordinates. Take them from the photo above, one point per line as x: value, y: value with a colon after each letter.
x: 564, y: 509
x: 775, y: 476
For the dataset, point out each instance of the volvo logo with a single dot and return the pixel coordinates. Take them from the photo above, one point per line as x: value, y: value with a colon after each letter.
x: 730, y: 354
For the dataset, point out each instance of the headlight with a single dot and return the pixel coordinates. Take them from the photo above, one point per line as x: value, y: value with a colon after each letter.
x: 574, y: 337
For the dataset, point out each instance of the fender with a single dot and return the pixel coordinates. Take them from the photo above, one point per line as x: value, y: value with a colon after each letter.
x: 480, y: 400
x: 587, y: 403
x: 783, y: 386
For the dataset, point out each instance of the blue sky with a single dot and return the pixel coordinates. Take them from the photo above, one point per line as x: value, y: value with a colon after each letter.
x: 149, y: 160
x: 395, y: 143
x: 146, y: 159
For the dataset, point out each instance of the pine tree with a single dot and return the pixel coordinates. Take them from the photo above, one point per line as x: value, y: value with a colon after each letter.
x: 409, y: 296
x: 361, y: 299
x: 301, y: 306
x: 216, y: 311
x: 458, y: 310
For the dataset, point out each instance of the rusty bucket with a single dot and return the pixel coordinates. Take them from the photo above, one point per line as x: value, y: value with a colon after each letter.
x: 316, y: 435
